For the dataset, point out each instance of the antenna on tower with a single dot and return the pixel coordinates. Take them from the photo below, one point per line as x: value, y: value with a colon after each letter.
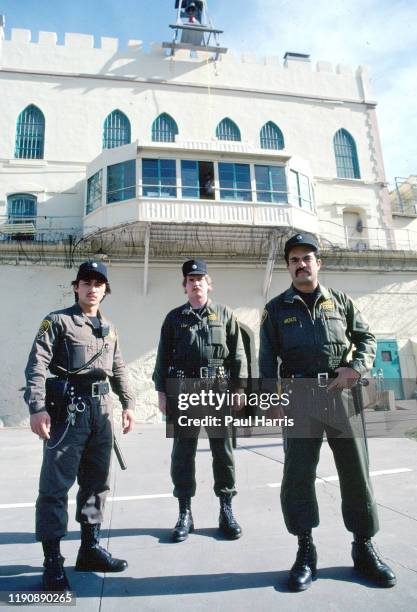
x: 193, y: 29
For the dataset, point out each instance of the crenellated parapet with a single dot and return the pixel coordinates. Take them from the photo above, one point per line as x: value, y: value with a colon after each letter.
x: 83, y: 55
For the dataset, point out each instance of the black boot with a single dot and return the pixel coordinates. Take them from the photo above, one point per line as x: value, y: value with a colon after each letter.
x: 305, y: 566
x: 368, y: 563
x: 54, y: 577
x: 94, y: 558
x: 185, y: 523
x: 228, y: 525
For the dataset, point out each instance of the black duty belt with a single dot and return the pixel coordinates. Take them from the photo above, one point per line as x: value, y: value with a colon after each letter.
x: 88, y: 388
x: 322, y: 379
x: 203, y: 372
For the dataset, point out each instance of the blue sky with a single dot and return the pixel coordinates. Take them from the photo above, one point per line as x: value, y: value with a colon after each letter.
x: 380, y: 34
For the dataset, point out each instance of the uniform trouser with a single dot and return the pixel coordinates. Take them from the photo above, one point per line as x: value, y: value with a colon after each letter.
x: 85, y: 454
x: 298, y: 495
x: 183, y: 466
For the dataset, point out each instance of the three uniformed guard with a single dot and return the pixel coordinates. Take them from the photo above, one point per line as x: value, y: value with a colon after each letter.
x: 200, y: 340
x: 71, y: 411
x: 311, y: 329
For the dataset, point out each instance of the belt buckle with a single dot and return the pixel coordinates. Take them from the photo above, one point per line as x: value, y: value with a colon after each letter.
x: 322, y: 379
x: 204, y: 372
x: 95, y: 385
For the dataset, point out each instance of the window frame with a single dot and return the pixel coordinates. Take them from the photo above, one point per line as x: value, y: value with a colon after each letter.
x: 30, y: 144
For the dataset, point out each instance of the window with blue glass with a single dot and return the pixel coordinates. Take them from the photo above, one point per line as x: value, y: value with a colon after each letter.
x: 347, y: 163
x: 271, y: 136
x: 301, y: 191
x: 21, y: 208
x: 228, y: 130
x: 30, y: 134
x: 271, y: 185
x: 116, y: 130
x: 159, y: 178
x: 197, y: 179
x: 235, y: 182
x: 94, y: 192
x: 121, y: 181
x: 164, y: 129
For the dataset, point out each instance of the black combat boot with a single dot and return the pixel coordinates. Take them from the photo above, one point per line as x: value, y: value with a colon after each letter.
x: 228, y: 525
x: 94, y: 558
x: 185, y: 523
x: 54, y: 577
x: 368, y: 563
x: 305, y: 566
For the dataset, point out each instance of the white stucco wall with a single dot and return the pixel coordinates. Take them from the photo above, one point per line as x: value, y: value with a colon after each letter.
x: 76, y: 86
x: 388, y: 300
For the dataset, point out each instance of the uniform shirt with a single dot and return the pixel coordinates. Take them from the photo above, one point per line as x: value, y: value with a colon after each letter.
x: 312, y: 342
x: 67, y: 339
x: 189, y: 340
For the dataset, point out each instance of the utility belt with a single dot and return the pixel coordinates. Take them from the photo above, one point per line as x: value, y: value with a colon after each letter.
x: 60, y: 393
x: 214, y: 369
x: 320, y: 380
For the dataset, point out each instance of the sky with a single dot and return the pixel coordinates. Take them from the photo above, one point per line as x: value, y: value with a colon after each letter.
x: 380, y: 34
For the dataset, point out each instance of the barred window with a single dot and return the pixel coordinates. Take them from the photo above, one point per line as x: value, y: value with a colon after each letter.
x: 30, y: 134
x: 228, y: 130
x: 346, y: 156
x: 116, y: 130
x: 271, y: 136
x: 164, y: 129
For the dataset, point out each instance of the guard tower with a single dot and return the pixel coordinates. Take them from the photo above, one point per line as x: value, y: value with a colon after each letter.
x: 193, y: 29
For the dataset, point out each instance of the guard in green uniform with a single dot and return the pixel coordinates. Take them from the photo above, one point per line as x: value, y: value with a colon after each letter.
x: 312, y: 329
x: 199, y: 340
x: 71, y: 411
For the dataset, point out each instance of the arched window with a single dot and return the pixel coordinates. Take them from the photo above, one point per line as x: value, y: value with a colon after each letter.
x: 228, y: 130
x: 21, y: 207
x: 271, y: 136
x: 30, y: 134
x: 346, y: 156
x: 164, y: 129
x: 116, y: 130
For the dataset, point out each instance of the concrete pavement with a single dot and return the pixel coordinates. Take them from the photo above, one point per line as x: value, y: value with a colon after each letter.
x: 206, y: 572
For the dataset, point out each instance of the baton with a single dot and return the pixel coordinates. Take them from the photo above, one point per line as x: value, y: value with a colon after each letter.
x: 358, y: 405
x: 119, y: 455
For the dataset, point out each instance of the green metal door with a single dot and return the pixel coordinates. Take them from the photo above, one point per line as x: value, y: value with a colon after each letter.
x: 387, y: 360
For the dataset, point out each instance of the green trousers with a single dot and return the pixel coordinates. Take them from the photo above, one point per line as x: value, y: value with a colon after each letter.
x: 332, y: 415
x: 183, y: 466
x: 84, y: 453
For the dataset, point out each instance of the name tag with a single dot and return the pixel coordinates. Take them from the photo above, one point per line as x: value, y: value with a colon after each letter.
x: 290, y: 320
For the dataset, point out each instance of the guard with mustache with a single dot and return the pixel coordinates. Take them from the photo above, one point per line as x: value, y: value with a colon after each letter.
x: 200, y: 344
x: 312, y: 329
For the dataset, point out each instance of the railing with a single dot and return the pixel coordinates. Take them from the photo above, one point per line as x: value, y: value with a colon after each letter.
x: 42, y: 228
x: 369, y: 239
x: 404, y: 196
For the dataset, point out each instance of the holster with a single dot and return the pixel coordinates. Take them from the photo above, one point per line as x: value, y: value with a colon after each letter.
x: 55, y: 396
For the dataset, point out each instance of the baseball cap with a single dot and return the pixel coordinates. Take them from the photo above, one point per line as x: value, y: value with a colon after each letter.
x: 92, y: 268
x: 300, y: 239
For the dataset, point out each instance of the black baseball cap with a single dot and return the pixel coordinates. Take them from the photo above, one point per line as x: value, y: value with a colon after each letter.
x: 92, y: 268
x: 300, y: 239
x: 194, y: 266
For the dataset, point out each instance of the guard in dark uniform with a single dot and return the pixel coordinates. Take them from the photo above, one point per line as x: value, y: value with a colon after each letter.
x: 312, y: 329
x: 200, y: 340
x: 71, y: 411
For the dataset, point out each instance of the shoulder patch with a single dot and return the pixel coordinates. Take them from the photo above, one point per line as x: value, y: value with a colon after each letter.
x: 264, y: 316
x: 43, y: 328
